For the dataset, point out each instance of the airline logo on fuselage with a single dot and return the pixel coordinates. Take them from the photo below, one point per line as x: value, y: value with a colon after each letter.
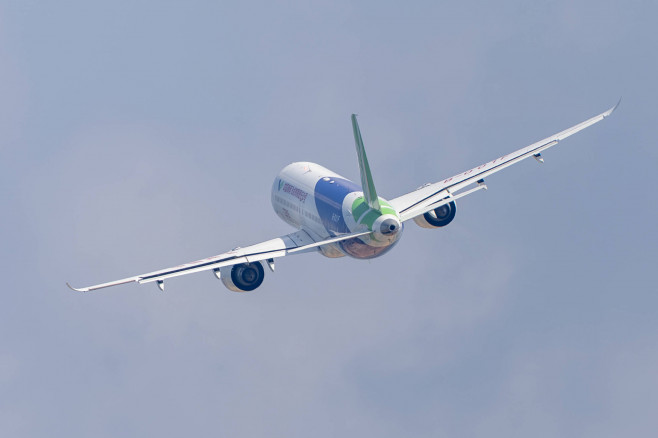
x: 294, y: 191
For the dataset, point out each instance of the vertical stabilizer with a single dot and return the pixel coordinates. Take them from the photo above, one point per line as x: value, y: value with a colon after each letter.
x: 367, y: 183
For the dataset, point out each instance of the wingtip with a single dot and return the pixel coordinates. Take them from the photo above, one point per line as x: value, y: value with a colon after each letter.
x: 77, y: 290
x: 611, y: 110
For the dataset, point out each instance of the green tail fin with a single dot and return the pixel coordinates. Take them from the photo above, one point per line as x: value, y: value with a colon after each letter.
x: 367, y: 183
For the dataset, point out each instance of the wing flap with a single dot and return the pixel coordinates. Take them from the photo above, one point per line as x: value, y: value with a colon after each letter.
x: 281, y: 246
x: 430, y: 196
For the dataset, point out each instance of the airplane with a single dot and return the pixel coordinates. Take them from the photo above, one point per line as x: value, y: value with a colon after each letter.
x: 336, y: 217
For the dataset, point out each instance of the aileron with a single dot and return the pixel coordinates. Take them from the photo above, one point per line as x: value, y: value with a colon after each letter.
x: 424, y: 199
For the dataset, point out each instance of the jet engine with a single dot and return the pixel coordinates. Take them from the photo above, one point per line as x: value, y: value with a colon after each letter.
x: 244, y: 277
x: 439, y: 217
x: 386, y: 228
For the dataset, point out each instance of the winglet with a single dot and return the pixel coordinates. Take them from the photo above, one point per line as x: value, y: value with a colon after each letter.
x: 77, y: 290
x: 367, y: 182
x: 611, y: 110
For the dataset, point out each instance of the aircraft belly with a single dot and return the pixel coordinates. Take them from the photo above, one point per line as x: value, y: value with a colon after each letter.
x: 360, y: 250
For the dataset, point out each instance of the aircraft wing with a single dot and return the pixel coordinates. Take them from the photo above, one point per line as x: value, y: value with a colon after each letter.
x: 293, y: 243
x: 431, y: 196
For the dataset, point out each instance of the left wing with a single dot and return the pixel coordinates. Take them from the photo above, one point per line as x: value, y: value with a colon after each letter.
x: 431, y: 196
x: 293, y: 243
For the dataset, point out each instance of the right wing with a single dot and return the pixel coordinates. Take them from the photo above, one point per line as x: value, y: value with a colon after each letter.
x: 293, y: 243
x: 431, y: 196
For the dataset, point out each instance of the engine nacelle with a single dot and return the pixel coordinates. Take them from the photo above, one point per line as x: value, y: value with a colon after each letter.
x: 439, y: 217
x: 244, y: 277
x: 386, y: 228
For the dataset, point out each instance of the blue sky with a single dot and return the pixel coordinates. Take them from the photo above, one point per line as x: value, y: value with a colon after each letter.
x: 139, y: 135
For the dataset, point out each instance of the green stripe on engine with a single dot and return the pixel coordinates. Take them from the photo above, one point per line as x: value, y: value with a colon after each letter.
x: 368, y: 216
x: 359, y: 207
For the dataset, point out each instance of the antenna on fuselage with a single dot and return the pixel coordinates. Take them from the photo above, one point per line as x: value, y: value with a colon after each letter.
x: 367, y: 182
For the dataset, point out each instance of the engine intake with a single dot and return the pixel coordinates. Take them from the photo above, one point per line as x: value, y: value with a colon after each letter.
x: 439, y: 217
x: 244, y: 277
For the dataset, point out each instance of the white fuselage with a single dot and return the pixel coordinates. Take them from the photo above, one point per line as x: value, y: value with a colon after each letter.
x: 324, y: 204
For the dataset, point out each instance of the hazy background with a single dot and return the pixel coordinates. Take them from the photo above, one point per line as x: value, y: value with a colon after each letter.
x: 139, y: 135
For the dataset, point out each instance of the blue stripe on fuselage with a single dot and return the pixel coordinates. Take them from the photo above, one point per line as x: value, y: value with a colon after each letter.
x: 329, y: 202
